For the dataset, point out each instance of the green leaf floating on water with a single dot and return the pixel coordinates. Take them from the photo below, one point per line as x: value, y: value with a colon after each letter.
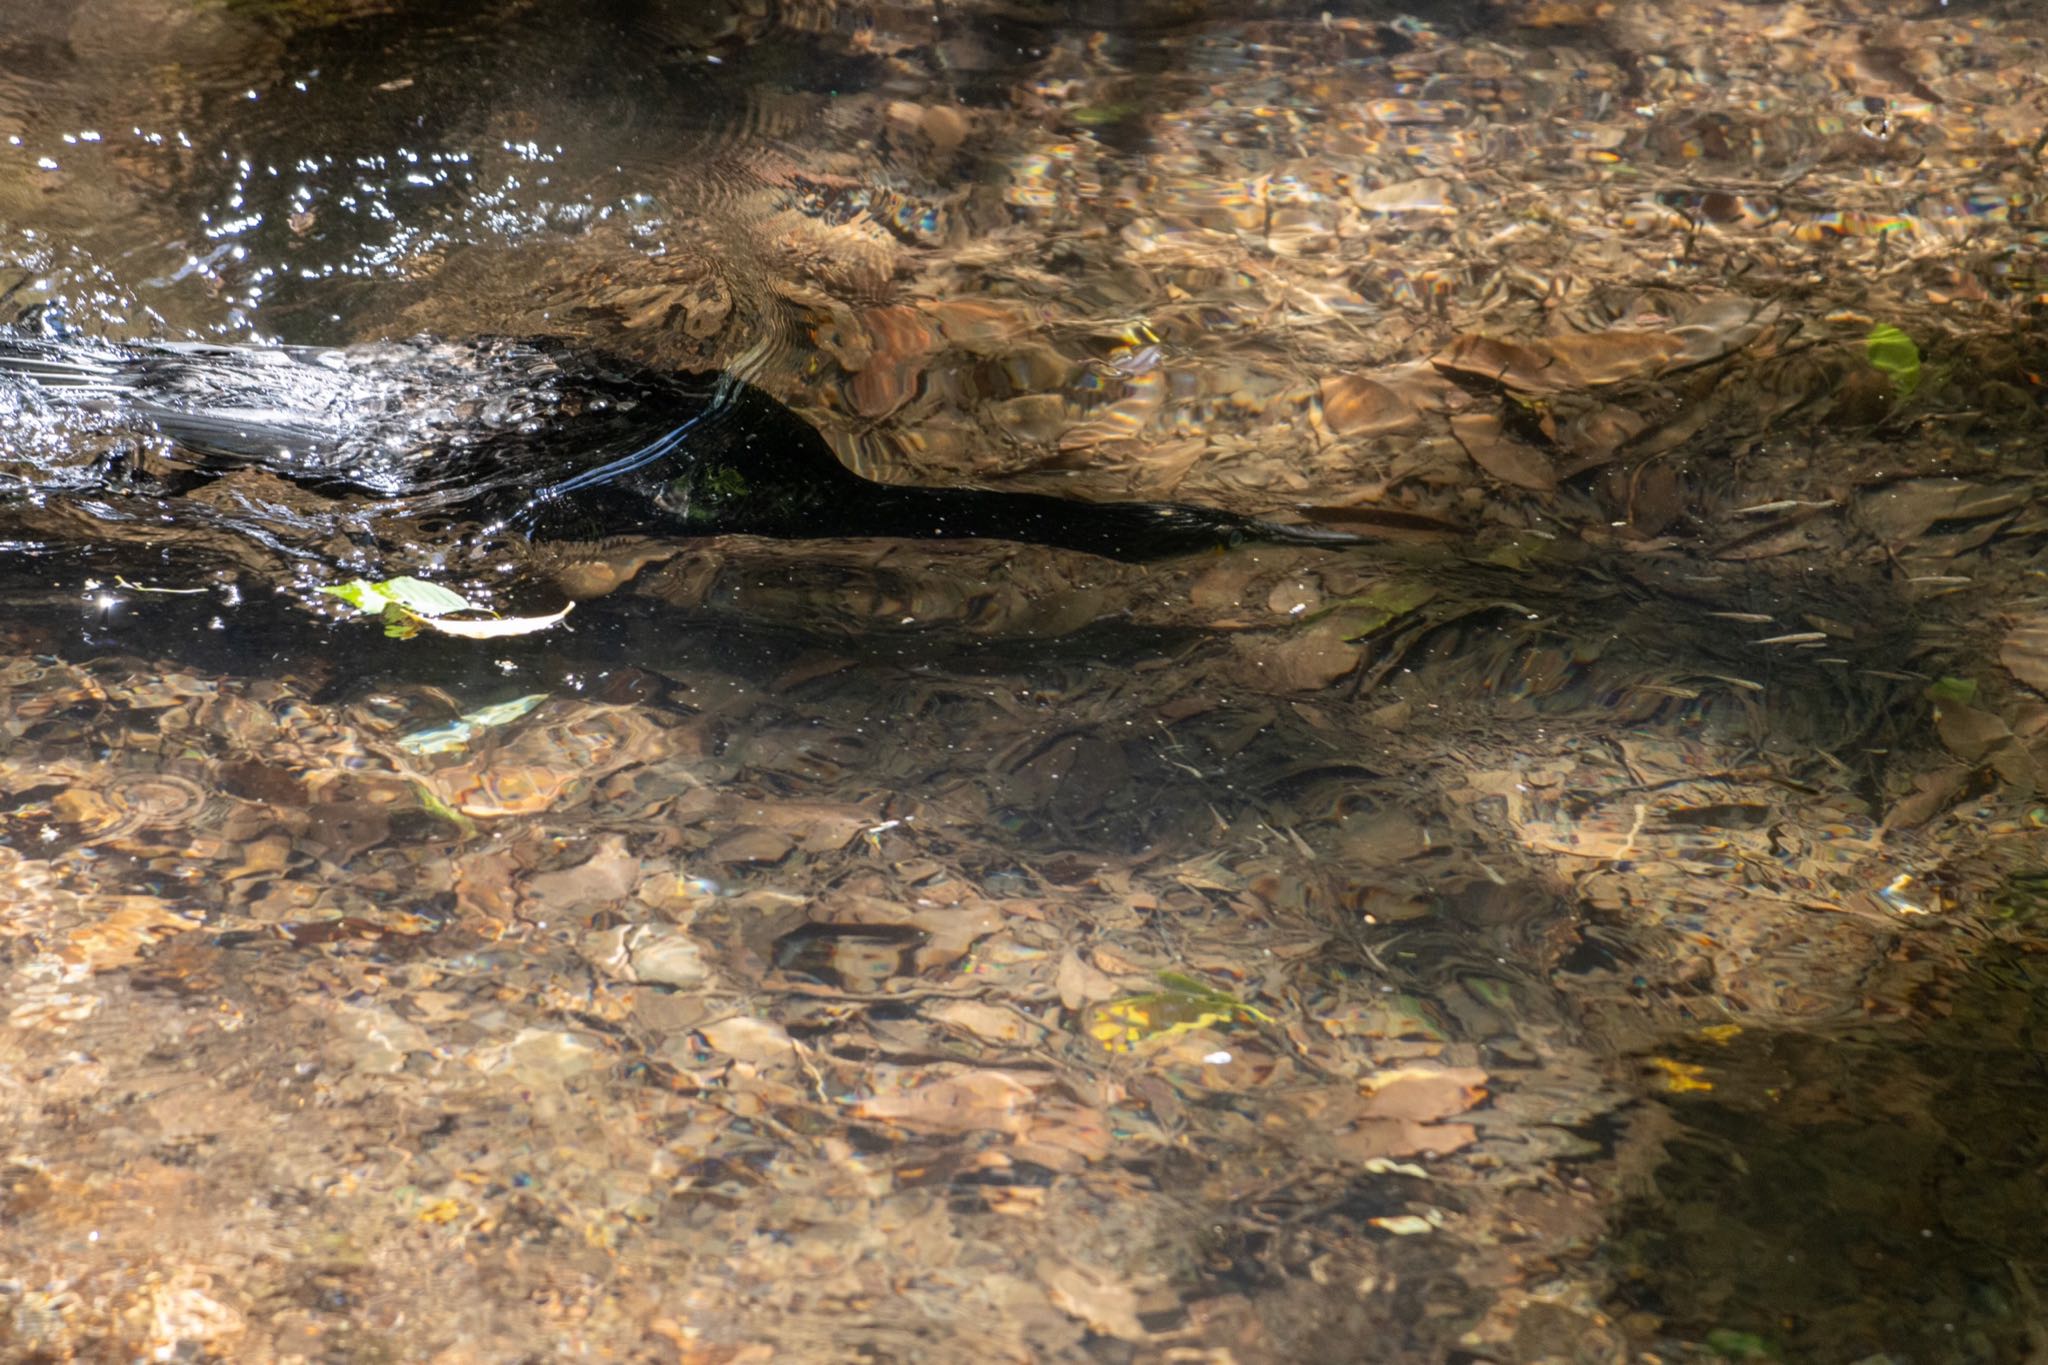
x: 406, y: 604
x: 415, y: 595
x: 1893, y: 352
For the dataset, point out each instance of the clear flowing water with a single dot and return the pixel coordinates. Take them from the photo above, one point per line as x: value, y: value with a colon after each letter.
x: 1595, y: 920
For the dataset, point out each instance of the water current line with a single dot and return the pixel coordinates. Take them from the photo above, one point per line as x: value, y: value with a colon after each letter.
x: 659, y: 448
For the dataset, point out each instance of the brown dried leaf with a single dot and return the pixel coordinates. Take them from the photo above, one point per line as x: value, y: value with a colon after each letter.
x: 1224, y: 587
x: 1109, y: 1309
x: 1594, y: 436
x: 1384, y: 837
x: 533, y: 1056
x: 1595, y: 358
x: 1502, y: 456
x: 483, y: 882
x: 342, y: 829
x: 1425, y: 1094
x: 1800, y: 535
x: 951, y: 931
x: 2025, y: 652
x: 990, y: 1023
x: 1932, y: 794
x: 1294, y: 595
x: 900, y: 340
x: 84, y: 807
x: 1307, y: 660
x: 653, y: 954
x: 815, y: 826
x: 1711, y: 328
x: 758, y: 1041
x: 1970, y: 734
x: 132, y: 924
x: 488, y: 791
x: 974, y: 1101
x: 1356, y: 406
x: 1502, y: 362
x: 1430, y: 194
x: 750, y: 845
x: 608, y: 875
x: 1080, y: 984
x: 1902, y: 511
x: 985, y: 326
x: 1572, y: 361
x: 1370, y: 1138
x: 1653, y: 496
x: 1560, y: 13
x: 1065, y: 1137
x: 946, y: 126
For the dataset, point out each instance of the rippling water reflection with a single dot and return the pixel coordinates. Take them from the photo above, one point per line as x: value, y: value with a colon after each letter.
x: 1591, y: 922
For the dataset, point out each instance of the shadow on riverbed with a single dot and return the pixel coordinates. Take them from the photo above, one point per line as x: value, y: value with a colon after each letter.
x: 1860, y: 1193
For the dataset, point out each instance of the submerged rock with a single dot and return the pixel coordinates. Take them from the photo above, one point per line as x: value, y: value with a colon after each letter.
x: 528, y: 434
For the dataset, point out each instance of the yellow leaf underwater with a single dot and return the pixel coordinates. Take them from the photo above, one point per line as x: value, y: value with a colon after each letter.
x: 1681, y: 1077
x: 1184, y: 1006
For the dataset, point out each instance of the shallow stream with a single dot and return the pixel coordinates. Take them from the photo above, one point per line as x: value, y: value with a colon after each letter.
x: 1598, y: 918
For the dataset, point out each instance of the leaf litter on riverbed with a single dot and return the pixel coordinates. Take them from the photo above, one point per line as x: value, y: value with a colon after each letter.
x: 790, y: 961
x: 526, y: 913
x: 615, y: 948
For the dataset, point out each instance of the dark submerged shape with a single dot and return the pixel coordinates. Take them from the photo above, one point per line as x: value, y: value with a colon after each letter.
x: 557, y: 441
